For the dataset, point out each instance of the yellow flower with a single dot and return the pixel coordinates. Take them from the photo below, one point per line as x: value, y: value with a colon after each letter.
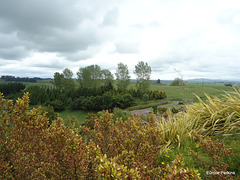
x: 197, y: 145
x: 163, y: 163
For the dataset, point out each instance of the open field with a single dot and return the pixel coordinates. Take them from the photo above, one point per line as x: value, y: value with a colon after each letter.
x: 187, y: 92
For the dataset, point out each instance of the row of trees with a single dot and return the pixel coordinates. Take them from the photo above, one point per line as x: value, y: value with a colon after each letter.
x: 93, y: 77
x: 11, y: 88
x: 94, y: 92
x: 18, y: 79
x: 89, y: 99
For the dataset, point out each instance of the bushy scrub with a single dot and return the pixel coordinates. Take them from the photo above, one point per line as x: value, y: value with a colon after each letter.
x: 154, y: 95
x: 50, y: 113
x: 145, y: 97
x: 155, y: 109
x: 120, y: 114
x: 107, y: 102
x: 31, y: 149
x: 58, y: 105
x: 76, y: 104
x: 162, y: 110
x: 177, y: 82
x: 135, y: 146
x: 204, y: 154
x: 145, y: 106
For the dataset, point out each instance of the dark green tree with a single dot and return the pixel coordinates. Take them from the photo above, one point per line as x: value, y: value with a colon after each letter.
x: 58, y: 80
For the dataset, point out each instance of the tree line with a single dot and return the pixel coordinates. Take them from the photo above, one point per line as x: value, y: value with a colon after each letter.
x: 95, y: 89
x: 93, y: 77
x: 11, y: 88
x: 19, y: 79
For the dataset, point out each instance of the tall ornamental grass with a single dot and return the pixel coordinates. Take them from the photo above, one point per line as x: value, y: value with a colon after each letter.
x: 213, y: 117
x: 216, y: 116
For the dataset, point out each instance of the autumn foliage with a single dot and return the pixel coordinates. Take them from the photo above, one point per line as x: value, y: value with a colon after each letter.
x: 31, y: 148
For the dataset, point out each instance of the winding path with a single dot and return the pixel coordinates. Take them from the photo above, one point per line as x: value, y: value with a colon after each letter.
x: 148, y: 110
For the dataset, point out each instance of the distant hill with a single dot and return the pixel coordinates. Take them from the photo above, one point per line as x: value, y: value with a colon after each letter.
x: 213, y: 80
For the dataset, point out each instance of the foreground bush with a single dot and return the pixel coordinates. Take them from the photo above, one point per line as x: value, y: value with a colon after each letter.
x: 134, y: 145
x: 31, y: 149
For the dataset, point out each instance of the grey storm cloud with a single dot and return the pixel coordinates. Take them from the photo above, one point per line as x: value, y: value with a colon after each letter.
x: 50, y: 26
x: 198, y: 37
x: 111, y: 17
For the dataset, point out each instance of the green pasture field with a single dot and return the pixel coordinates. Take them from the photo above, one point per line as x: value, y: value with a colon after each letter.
x: 79, y: 115
x: 187, y: 92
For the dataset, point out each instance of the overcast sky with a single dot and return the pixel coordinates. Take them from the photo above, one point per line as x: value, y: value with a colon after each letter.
x: 201, y: 38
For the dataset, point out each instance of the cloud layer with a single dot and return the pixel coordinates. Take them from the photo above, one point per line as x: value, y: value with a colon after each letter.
x: 200, y: 38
